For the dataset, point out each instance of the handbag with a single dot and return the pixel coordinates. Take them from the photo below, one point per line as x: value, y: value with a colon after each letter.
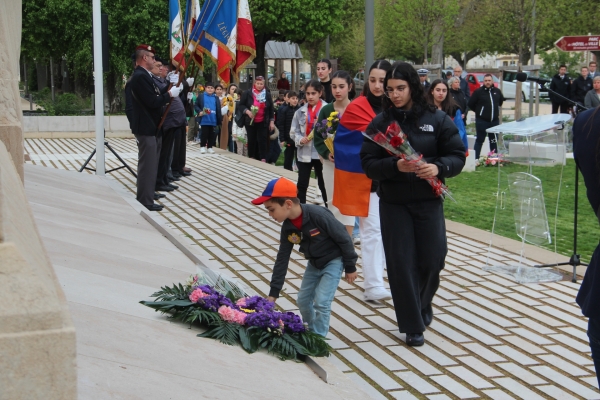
x: 239, y: 116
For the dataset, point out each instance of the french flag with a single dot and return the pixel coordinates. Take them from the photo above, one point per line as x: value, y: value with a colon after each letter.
x: 246, y: 46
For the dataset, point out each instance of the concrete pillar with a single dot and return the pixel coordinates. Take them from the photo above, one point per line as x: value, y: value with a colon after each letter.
x: 11, y: 133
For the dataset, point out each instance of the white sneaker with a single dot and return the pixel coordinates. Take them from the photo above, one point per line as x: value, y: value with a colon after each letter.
x: 377, y: 294
x: 211, y: 151
x: 356, y: 240
x: 318, y: 199
x: 202, y: 150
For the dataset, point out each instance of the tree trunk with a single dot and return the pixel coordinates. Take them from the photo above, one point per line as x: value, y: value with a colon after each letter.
x: 261, y: 66
x: 437, y: 50
x: 313, y: 52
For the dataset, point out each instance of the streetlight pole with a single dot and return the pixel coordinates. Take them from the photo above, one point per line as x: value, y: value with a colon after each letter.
x: 98, y: 87
x: 369, y: 33
x: 531, y: 60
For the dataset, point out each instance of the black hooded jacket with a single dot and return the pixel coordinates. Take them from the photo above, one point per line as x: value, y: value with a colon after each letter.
x: 486, y: 103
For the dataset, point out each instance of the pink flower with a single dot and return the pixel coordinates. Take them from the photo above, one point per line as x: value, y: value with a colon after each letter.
x: 230, y: 315
x: 493, y: 162
x: 196, y: 295
x: 241, y: 302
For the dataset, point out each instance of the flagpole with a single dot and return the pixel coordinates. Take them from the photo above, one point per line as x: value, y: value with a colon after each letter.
x: 98, y: 87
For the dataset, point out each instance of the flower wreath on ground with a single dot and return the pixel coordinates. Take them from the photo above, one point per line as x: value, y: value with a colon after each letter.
x: 251, y: 322
x: 492, y: 159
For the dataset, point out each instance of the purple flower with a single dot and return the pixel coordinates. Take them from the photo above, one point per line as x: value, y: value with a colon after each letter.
x: 292, y: 322
x: 214, y: 300
x: 259, y: 304
x: 264, y: 319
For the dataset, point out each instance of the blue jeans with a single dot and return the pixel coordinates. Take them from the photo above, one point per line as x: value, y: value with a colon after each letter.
x: 316, y: 294
x: 594, y: 335
x: 356, y: 230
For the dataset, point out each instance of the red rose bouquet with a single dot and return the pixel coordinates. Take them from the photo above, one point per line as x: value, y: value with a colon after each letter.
x: 396, y: 142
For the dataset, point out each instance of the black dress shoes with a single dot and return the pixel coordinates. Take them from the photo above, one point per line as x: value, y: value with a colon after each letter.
x: 172, y: 178
x: 160, y: 195
x: 415, y: 339
x: 183, y: 173
x: 177, y: 175
x: 427, y: 315
x: 164, y: 188
x: 173, y: 186
x: 154, y: 207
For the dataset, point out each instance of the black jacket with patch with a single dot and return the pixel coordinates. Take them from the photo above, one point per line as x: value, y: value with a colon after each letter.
x: 486, y: 103
x: 580, y: 87
x: 433, y: 135
x: 146, y: 101
x: 322, y: 239
x: 562, y: 87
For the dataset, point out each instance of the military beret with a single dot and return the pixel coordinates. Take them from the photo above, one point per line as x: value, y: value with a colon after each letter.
x: 146, y: 47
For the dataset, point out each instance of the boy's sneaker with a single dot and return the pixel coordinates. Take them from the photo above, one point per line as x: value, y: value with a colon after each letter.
x: 202, y: 150
x: 211, y: 151
x: 356, y: 240
x: 377, y: 294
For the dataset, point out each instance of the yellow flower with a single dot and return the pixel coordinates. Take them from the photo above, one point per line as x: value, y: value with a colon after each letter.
x: 247, y: 311
x: 329, y: 124
x: 334, y: 114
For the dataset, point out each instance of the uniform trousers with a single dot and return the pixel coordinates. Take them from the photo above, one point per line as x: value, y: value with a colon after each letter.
x: 179, y: 150
x: 414, y: 241
x: 164, y: 165
x: 148, y: 150
x: 373, y: 256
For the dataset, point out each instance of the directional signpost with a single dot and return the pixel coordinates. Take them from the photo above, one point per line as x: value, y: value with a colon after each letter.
x: 579, y: 43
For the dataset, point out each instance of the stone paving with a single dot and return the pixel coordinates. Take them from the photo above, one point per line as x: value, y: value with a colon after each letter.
x: 491, y: 337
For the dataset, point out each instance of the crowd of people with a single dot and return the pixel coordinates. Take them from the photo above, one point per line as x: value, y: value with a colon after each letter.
x: 401, y: 223
x: 584, y: 90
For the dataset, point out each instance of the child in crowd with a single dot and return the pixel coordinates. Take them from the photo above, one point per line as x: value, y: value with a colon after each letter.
x: 284, y: 124
x: 239, y: 134
x: 210, y: 119
x: 308, y: 157
x: 323, y: 241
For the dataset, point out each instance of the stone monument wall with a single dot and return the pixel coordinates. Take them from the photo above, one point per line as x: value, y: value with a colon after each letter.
x: 11, y: 133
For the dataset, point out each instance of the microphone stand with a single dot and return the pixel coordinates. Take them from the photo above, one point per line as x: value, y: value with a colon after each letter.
x: 575, y: 259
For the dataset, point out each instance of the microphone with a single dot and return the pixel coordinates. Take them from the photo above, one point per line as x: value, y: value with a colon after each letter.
x: 522, y: 77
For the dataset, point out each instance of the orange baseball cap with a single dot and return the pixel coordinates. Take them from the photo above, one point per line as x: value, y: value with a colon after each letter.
x: 279, y: 187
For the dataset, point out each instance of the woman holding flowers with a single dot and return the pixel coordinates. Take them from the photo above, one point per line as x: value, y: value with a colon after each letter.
x: 259, y: 119
x: 342, y: 88
x: 363, y: 201
x: 302, y: 125
x: 411, y: 214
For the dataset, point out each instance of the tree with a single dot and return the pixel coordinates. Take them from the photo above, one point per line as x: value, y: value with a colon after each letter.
x: 554, y: 59
x: 410, y: 28
x: 294, y: 20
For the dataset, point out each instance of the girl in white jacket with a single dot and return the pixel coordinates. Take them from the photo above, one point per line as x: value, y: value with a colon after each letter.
x: 302, y: 125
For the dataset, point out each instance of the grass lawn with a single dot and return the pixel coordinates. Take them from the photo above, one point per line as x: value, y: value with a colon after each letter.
x: 475, y: 194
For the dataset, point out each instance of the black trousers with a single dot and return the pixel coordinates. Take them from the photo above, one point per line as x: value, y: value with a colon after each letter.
x: 179, y: 151
x: 415, y: 246
x: 148, y: 149
x: 564, y: 108
x: 258, y: 140
x: 480, y: 127
x: 207, y: 136
x: 304, y: 170
x: 164, y: 159
x: 289, y: 153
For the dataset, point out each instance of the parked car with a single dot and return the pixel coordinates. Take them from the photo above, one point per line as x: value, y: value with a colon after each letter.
x: 475, y: 80
x: 509, y: 86
x: 359, y: 81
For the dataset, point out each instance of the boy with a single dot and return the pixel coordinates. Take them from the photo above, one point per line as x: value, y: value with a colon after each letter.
x: 324, y: 242
x: 209, y: 121
x: 284, y: 124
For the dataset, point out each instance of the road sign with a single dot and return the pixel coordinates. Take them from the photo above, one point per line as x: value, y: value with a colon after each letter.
x: 578, y: 43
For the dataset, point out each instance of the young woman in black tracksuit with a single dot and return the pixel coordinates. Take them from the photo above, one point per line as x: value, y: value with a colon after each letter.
x: 412, y: 217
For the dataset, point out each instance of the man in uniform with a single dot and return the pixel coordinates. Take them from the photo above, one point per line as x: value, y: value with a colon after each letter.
x: 423, y: 77
x: 145, y: 113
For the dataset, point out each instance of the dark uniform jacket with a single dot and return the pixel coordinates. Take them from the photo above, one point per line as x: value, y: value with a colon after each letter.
x: 433, y: 135
x: 486, y: 103
x: 464, y: 87
x: 146, y: 102
x: 580, y: 88
x: 322, y: 239
x: 562, y: 87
